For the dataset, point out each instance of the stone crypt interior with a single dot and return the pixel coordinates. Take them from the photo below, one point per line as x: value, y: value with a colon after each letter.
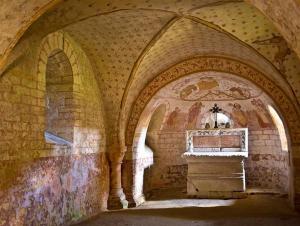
x: 149, y: 112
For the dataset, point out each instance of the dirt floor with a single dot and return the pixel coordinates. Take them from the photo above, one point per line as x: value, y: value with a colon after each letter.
x: 256, y: 210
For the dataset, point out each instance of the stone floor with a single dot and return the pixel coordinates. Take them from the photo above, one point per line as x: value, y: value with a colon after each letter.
x: 257, y: 210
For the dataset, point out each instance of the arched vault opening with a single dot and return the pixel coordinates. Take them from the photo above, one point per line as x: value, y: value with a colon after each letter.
x: 190, y: 88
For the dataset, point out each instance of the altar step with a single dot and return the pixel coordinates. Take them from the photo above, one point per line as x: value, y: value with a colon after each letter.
x: 181, y: 193
x: 264, y: 191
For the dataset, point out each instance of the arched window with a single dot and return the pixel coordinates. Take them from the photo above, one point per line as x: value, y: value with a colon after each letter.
x: 222, y: 120
x: 280, y: 127
x: 59, y: 98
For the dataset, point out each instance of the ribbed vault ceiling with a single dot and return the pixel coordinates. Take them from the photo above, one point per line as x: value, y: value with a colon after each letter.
x: 130, y: 42
x: 114, y: 42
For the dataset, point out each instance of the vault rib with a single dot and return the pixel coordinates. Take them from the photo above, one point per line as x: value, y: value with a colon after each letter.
x: 144, y: 52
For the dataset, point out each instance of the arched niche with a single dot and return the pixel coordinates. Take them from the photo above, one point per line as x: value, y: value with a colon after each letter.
x: 219, y: 64
x: 57, y: 71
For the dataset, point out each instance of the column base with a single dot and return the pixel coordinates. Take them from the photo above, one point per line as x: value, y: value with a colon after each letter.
x: 135, y: 201
x: 130, y: 199
x: 140, y: 200
x: 117, y: 200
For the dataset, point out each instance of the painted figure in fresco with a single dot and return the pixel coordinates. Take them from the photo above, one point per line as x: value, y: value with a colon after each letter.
x: 173, y: 118
x: 238, y: 115
x: 207, y: 84
x: 262, y: 114
x: 237, y: 92
x: 194, y: 111
x: 200, y: 86
x: 184, y: 93
x: 283, y: 49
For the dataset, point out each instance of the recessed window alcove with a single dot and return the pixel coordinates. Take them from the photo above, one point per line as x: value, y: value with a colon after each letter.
x: 59, y: 99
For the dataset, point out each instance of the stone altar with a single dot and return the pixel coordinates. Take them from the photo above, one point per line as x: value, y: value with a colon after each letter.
x: 215, y: 160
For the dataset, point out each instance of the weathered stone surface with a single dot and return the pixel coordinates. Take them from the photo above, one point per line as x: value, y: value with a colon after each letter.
x: 46, y: 183
x: 53, y: 190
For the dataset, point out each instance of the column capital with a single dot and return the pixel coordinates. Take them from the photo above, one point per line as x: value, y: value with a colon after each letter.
x: 116, y: 154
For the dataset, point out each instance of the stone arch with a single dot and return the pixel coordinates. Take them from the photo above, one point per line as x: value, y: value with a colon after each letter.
x: 147, y: 116
x: 220, y: 64
x: 133, y: 171
x: 53, y: 42
x: 53, y: 49
x: 142, y: 127
x: 280, y: 127
x: 212, y: 63
x: 161, y: 111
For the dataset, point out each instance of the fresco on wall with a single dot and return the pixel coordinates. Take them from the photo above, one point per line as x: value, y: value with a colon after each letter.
x: 191, y: 91
x: 282, y: 50
x: 191, y: 98
x: 187, y: 115
x: 175, y: 120
x: 210, y: 88
x: 189, y: 101
x: 193, y: 113
x: 262, y: 114
x: 238, y: 115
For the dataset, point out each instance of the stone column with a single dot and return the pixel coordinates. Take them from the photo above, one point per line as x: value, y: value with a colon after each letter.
x: 127, y: 176
x: 117, y: 198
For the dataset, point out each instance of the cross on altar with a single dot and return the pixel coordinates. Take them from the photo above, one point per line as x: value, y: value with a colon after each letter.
x: 215, y: 109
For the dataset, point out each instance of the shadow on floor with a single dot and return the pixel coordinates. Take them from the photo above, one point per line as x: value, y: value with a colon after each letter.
x: 254, y: 210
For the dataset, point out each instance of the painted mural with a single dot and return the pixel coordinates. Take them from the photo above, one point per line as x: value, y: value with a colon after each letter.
x: 191, y: 98
x: 262, y: 114
x: 175, y: 119
x: 194, y: 115
x: 209, y: 87
x: 238, y: 115
x: 282, y: 50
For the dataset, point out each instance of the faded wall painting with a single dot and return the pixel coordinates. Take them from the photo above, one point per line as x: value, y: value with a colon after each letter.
x: 282, y: 49
x: 211, y: 88
x: 191, y: 98
x: 189, y: 101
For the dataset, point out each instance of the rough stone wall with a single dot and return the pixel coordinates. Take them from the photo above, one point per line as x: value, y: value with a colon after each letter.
x: 266, y: 167
x: 169, y: 169
x: 43, y: 183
